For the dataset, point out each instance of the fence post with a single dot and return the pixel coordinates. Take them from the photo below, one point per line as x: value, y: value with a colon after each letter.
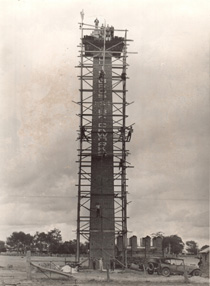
x: 28, y: 264
x: 107, y: 272
x: 145, y: 272
x: 186, y: 280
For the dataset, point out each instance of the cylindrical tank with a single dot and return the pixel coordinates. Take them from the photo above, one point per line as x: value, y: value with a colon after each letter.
x: 133, y: 243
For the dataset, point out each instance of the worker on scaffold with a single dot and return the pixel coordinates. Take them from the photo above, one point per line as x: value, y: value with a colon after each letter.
x: 121, y: 164
x: 123, y: 76
x: 102, y: 31
x: 101, y: 75
x: 96, y: 23
x: 112, y: 32
x: 108, y: 33
x: 98, y: 210
x: 129, y: 133
x: 83, y: 135
x: 122, y: 134
x: 96, y: 31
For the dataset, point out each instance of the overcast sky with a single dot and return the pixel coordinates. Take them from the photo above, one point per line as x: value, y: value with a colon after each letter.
x: 169, y: 84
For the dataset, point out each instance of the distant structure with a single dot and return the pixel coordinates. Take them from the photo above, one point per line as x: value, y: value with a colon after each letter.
x: 103, y: 134
x: 147, y: 247
x: 204, y: 260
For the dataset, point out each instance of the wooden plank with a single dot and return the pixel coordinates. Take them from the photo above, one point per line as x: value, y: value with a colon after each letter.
x: 28, y: 266
x: 51, y: 270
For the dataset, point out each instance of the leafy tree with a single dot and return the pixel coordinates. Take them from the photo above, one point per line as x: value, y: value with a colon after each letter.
x: 54, y: 236
x: 54, y: 239
x: 2, y: 246
x: 157, y: 234
x: 68, y: 247
x: 192, y: 247
x: 20, y: 241
x: 204, y: 246
x: 84, y: 247
x: 64, y: 248
x: 174, y: 243
x: 73, y: 246
x: 40, y: 241
x: 48, y: 242
x: 44, y: 242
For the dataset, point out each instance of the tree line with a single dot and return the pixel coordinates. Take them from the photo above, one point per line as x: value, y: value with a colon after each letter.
x: 175, y: 245
x: 51, y: 243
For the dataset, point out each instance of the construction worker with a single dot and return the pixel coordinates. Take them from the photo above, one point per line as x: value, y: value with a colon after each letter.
x: 112, y: 263
x: 121, y: 164
x: 96, y: 32
x: 96, y: 23
x: 98, y: 210
x: 108, y: 33
x: 122, y: 133
x: 102, y: 31
x: 100, y: 263
x: 83, y: 135
x: 129, y: 134
x: 94, y: 263
x: 104, y: 154
x: 101, y: 75
x: 123, y: 76
x: 112, y: 32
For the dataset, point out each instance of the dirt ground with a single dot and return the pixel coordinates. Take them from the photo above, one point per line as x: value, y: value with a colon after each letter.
x: 13, y: 272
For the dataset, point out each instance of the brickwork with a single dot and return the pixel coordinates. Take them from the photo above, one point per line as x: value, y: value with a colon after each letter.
x: 102, y: 237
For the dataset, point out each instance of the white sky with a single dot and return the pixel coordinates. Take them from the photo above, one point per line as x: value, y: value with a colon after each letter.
x: 169, y: 82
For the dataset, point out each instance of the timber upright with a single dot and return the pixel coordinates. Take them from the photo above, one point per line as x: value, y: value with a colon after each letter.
x: 102, y: 196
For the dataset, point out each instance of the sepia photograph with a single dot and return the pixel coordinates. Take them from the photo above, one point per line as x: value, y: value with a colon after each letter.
x: 104, y: 142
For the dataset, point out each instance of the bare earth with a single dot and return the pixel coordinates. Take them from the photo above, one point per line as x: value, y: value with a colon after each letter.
x: 13, y: 272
